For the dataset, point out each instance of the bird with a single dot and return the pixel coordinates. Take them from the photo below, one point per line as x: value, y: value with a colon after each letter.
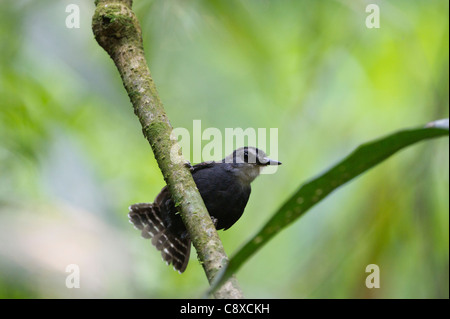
x: 225, y: 189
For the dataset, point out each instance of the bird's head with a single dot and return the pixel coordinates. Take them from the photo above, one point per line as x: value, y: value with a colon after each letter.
x: 247, y: 162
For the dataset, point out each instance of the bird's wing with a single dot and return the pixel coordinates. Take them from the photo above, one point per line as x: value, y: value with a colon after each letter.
x: 201, y: 166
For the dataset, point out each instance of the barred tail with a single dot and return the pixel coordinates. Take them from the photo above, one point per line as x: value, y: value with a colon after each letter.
x: 174, y: 250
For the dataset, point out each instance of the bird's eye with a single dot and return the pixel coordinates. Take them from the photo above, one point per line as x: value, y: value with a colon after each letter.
x: 246, y: 156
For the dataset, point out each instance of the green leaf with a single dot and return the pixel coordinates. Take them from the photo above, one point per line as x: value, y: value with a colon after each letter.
x: 309, y: 194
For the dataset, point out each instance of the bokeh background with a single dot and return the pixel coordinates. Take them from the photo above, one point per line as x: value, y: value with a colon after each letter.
x: 73, y: 157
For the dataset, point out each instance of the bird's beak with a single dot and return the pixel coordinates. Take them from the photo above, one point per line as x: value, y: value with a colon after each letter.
x: 269, y: 161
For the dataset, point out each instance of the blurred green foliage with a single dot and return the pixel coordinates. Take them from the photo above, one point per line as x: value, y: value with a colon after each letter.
x: 73, y: 158
x: 311, y: 193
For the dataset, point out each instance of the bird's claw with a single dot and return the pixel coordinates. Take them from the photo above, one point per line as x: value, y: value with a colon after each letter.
x: 188, y: 165
x: 215, y: 221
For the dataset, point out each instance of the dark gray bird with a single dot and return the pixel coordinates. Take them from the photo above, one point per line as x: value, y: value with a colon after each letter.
x: 225, y: 189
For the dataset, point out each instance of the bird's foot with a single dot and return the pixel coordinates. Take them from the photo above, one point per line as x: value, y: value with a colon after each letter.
x: 215, y: 221
x: 188, y: 165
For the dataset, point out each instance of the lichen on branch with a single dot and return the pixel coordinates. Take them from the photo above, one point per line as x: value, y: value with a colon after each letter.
x: 118, y: 32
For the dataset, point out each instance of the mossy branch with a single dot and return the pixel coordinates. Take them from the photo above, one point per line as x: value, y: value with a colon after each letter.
x: 117, y: 30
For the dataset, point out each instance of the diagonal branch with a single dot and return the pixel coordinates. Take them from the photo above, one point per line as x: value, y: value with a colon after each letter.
x: 117, y: 30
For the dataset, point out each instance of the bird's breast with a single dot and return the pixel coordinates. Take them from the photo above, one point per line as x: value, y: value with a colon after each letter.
x: 224, y: 195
